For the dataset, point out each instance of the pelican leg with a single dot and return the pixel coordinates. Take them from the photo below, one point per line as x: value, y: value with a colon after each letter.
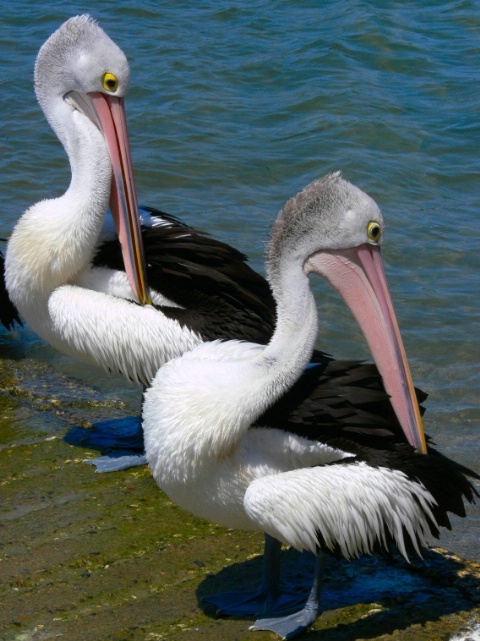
x: 271, y: 598
x: 292, y: 625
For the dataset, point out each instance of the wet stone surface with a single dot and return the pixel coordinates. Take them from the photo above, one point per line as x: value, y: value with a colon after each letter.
x: 109, y: 557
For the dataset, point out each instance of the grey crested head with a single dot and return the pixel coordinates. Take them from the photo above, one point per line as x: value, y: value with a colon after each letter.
x: 75, y: 57
x: 329, y: 213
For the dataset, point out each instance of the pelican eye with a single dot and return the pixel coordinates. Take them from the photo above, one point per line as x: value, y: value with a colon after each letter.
x: 374, y: 232
x: 110, y: 82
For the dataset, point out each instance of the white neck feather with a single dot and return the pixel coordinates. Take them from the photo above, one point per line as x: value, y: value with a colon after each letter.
x: 54, y: 239
x: 201, y: 405
x: 296, y: 328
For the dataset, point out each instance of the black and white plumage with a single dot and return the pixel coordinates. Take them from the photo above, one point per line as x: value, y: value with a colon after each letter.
x: 321, y: 481
x: 81, y: 77
x: 202, y: 283
x: 81, y: 304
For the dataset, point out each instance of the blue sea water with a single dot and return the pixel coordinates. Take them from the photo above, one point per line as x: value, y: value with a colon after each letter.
x: 236, y: 106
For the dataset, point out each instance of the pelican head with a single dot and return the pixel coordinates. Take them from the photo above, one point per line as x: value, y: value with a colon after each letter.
x: 80, y: 73
x: 336, y: 230
x: 79, y: 56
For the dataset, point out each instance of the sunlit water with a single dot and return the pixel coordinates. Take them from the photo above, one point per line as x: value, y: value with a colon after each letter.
x: 234, y: 107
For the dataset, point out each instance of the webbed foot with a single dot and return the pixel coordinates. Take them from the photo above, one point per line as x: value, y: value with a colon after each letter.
x: 116, y: 462
x: 288, y: 627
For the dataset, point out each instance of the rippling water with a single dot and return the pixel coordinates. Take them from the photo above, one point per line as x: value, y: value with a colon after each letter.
x: 236, y: 106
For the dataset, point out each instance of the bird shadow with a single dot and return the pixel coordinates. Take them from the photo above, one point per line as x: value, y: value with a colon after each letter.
x: 367, y: 597
x: 113, y: 436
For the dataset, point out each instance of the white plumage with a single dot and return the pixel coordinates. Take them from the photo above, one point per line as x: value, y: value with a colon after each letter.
x: 125, y: 338
x: 353, y: 507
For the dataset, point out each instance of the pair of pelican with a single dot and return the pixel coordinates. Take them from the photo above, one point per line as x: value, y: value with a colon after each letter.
x: 326, y: 456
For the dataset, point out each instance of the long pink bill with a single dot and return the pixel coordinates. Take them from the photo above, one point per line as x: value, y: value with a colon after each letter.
x: 358, y: 275
x: 123, y: 200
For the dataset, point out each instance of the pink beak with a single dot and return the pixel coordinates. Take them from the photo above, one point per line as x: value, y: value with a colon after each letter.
x: 123, y: 199
x: 358, y: 275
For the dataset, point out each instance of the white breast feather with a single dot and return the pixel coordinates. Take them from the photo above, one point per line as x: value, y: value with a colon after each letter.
x: 116, y: 283
x: 108, y: 327
x: 352, y: 506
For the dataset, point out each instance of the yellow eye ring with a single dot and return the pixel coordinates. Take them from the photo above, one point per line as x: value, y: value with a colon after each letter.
x: 110, y: 82
x: 374, y: 231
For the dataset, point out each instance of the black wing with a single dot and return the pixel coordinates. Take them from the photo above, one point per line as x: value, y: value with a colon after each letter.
x: 220, y: 296
x: 343, y: 404
x: 338, y: 399
x: 8, y: 312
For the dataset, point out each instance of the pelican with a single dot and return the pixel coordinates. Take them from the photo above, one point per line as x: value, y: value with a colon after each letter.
x: 53, y: 242
x: 8, y: 312
x: 343, y: 490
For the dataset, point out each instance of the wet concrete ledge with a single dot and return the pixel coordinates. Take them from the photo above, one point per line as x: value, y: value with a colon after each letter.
x: 109, y: 557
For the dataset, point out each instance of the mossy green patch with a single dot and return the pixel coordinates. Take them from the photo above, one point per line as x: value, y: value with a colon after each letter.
x: 109, y: 557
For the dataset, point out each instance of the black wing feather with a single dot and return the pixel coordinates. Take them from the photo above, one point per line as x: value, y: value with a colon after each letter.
x: 8, y: 312
x: 219, y: 294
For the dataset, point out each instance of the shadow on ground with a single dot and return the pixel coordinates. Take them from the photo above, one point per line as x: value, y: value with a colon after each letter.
x: 369, y: 597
